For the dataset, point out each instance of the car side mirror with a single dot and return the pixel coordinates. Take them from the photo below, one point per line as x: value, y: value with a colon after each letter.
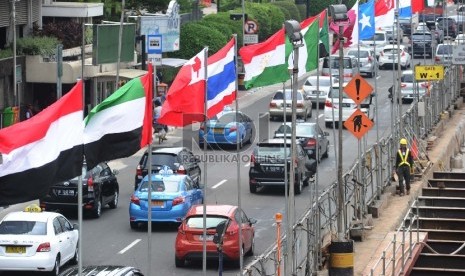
x: 76, y: 226
x: 115, y: 172
x: 252, y: 221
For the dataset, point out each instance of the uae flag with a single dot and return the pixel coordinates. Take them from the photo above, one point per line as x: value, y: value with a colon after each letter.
x: 120, y: 125
x: 42, y: 150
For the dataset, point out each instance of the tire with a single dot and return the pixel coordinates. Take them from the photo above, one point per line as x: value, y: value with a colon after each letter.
x: 75, y: 258
x: 325, y: 154
x: 179, y: 262
x: 299, y: 186
x: 114, y: 203
x: 56, y: 269
x: 252, y: 248
x: 253, y: 188
x: 97, y: 212
x: 310, y: 114
x: 134, y: 225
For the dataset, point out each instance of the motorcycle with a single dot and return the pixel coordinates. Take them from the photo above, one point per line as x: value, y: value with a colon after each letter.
x: 159, y: 131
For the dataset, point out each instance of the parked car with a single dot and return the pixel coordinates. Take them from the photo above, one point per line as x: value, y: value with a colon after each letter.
x: 37, y: 241
x: 380, y: 38
x: 316, y: 88
x: 171, y: 197
x: 447, y: 25
x: 390, y: 57
x: 277, y: 108
x: 409, y: 86
x: 190, y: 239
x: 99, y: 188
x: 103, y: 270
x: 223, y: 129
x: 405, y: 25
x: 268, y: 160
x: 350, y: 67
x: 443, y: 53
x: 348, y: 106
x: 422, y: 44
x: 392, y: 32
x: 366, y: 58
x: 180, y: 159
x: 309, y: 135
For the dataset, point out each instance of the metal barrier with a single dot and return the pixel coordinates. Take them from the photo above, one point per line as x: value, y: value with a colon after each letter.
x: 364, y: 183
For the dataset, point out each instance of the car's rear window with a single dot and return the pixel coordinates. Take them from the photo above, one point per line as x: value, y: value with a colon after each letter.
x: 160, y: 159
x: 279, y: 96
x: 272, y: 151
x: 444, y: 50
x: 300, y: 130
x: 419, y: 37
x: 11, y: 227
x: 334, y: 93
x: 167, y: 186
x: 391, y: 51
x: 407, y: 78
x: 335, y: 63
x: 196, y: 222
x: 313, y: 82
x: 363, y: 54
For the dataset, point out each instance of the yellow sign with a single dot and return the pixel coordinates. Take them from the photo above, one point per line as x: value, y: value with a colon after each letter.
x: 429, y: 72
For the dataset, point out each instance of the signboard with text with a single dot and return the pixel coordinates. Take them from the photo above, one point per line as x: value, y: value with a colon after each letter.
x: 429, y: 72
x: 458, y: 54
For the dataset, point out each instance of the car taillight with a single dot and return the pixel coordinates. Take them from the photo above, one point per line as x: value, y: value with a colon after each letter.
x: 348, y: 75
x: 273, y: 105
x: 252, y: 159
x: 329, y: 104
x: 437, y: 58
x: 424, y: 85
x: 403, y: 85
x: 232, y: 129
x: 370, y: 59
x: 403, y: 54
x: 135, y: 200
x: 325, y: 74
x: 300, y: 105
x: 181, y: 170
x: 44, y: 247
x: 90, y: 184
x: 178, y: 200
x: 139, y: 170
x: 311, y: 142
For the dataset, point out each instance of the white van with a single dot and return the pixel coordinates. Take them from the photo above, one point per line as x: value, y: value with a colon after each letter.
x: 350, y: 67
x: 381, y: 39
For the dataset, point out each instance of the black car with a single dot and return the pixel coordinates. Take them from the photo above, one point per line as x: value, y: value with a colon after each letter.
x: 103, y: 270
x: 267, y: 165
x: 422, y: 44
x: 405, y: 25
x: 429, y: 19
x: 447, y: 25
x: 99, y: 188
x: 179, y: 159
x: 307, y: 133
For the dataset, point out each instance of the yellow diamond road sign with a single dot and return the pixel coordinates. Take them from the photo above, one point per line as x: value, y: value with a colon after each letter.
x: 429, y: 72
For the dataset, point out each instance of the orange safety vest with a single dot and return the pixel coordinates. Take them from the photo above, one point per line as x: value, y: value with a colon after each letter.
x: 403, y: 159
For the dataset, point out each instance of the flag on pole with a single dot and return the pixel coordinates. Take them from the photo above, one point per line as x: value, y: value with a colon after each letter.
x: 122, y: 124
x: 366, y: 20
x: 350, y: 31
x: 185, y: 101
x: 221, y: 82
x: 418, y: 5
x: 308, y: 54
x: 43, y: 150
x: 324, y: 34
x: 405, y: 9
x: 384, y: 13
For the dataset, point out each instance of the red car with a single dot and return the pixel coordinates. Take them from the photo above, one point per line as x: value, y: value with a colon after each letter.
x: 189, y: 241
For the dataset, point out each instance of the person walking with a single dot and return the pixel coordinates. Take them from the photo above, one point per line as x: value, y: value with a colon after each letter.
x: 404, y: 164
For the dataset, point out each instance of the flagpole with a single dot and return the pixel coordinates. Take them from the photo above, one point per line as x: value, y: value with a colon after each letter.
x: 120, y: 38
x: 205, y: 109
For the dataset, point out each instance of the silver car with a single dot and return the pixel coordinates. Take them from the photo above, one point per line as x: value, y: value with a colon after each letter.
x: 316, y: 88
x: 281, y: 104
x: 367, y: 60
x: 409, y: 86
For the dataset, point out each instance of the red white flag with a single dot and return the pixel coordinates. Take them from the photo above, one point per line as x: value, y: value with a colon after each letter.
x: 185, y: 101
x: 42, y: 150
x: 384, y: 13
x: 418, y: 5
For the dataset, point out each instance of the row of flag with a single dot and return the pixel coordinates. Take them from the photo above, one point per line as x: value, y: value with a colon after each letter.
x: 51, y: 146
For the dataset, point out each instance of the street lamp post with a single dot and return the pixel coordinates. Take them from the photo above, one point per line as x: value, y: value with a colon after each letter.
x: 341, y: 249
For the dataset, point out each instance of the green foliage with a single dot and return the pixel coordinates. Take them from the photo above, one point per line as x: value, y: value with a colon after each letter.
x: 227, y: 5
x: 317, y: 7
x: 6, y: 53
x: 194, y: 37
x: 223, y: 18
x: 223, y: 28
x: 37, y: 45
x: 292, y: 9
x: 68, y: 32
x: 151, y: 5
x: 302, y: 10
x: 287, y: 14
x: 277, y: 17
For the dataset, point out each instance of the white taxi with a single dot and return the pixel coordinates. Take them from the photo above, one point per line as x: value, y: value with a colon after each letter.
x: 33, y: 240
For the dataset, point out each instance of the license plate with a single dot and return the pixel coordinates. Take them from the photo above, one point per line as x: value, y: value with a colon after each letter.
x: 158, y: 203
x: 346, y: 105
x: 16, y: 249
x: 277, y: 169
x: 208, y: 238
x: 64, y: 192
x: 218, y: 130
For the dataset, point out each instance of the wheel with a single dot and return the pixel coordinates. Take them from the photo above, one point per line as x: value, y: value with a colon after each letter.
x: 310, y: 114
x: 97, y: 212
x: 75, y: 258
x: 133, y: 225
x: 179, y: 262
x: 56, y: 269
x: 325, y: 154
x: 114, y: 203
x: 370, y: 75
x: 252, y: 248
x: 299, y: 186
x: 253, y: 188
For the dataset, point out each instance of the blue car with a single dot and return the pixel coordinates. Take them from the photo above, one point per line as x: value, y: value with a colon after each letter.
x: 223, y: 128
x: 172, y: 196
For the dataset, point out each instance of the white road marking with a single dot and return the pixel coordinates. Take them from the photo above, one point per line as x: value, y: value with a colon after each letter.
x: 219, y: 183
x: 129, y: 246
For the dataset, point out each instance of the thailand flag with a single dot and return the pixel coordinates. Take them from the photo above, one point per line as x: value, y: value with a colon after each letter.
x: 43, y: 150
x: 185, y: 101
x: 221, y: 83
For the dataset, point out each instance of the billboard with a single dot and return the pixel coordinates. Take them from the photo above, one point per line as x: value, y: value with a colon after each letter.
x: 106, y: 38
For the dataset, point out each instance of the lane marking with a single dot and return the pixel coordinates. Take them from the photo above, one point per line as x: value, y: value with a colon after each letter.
x: 219, y: 183
x: 129, y: 246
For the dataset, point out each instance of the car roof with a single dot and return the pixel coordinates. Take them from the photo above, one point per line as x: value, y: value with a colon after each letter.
x: 407, y: 72
x: 393, y: 46
x: 320, y: 77
x: 173, y: 150
x: 212, y: 209
x: 274, y: 141
x: 98, y: 270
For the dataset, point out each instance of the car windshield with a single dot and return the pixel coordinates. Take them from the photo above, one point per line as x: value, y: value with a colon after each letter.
x: 379, y: 37
x: 11, y: 227
x: 335, y: 63
x: 407, y: 78
x: 166, y: 159
x: 363, y: 54
x: 166, y: 186
x: 444, y: 50
x: 420, y: 37
x: 301, y: 130
x: 196, y: 222
x: 279, y: 96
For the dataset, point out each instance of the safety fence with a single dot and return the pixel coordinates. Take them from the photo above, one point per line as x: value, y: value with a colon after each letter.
x: 364, y: 183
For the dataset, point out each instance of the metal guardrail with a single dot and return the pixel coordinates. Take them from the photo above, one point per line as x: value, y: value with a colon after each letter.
x: 364, y: 183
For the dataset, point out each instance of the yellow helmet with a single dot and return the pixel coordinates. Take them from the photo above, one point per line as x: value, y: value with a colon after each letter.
x: 403, y: 141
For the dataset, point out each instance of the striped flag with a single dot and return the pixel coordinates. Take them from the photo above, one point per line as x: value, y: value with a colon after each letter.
x: 42, y: 150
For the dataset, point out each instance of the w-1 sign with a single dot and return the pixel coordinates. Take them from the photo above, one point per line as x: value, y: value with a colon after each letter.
x: 429, y: 72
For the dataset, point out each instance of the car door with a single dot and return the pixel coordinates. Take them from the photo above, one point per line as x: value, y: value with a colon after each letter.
x: 107, y: 187
x: 192, y: 164
x: 70, y: 241
x: 247, y: 230
x: 62, y: 240
x: 322, y: 146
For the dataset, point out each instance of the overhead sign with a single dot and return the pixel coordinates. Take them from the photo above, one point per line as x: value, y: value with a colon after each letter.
x: 358, y: 89
x: 358, y: 124
x: 251, y: 27
x: 429, y: 72
x: 458, y: 54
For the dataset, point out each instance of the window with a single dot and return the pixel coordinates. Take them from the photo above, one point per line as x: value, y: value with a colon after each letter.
x: 10, y: 227
x: 65, y: 224
x: 196, y: 222
x: 57, y: 226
